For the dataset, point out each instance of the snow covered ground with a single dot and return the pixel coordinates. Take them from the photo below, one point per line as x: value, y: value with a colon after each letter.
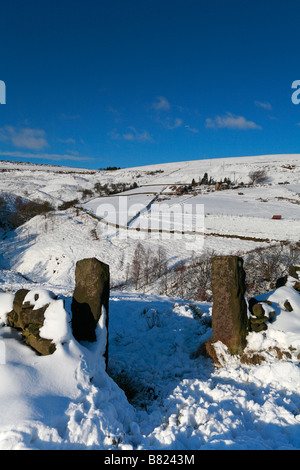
x: 181, y: 401
x: 60, y: 183
x: 177, y: 400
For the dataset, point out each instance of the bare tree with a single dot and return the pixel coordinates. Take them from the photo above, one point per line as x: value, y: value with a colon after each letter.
x: 258, y: 176
x: 137, y: 264
x: 264, y: 266
x: 202, y: 265
x: 192, y: 279
x: 146, y: 266
x: 3, y: 212
x: 179, y: 284
x: 159, y: 263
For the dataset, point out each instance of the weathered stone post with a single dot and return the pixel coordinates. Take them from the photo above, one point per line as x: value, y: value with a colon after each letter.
x: 90, y: 297
x: 229, y: 314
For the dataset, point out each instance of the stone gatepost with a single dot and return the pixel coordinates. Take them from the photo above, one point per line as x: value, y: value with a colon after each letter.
x: 229, y: 314
x: 90, y: 299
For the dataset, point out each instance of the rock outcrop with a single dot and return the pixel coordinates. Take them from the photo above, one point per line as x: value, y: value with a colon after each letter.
x: 29, y: 320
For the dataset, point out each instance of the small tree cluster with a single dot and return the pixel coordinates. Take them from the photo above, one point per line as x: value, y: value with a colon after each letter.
x: 3, y: 212
x: 226, y: 180
x: 86, y: 193
x: 192, y: 279
x: 205, y: 180
x: 26, y: 210
x: 264, y: 266
x: 147, y: 266
x: 110, y: 168
x: 258, y: 176
x: 67, y: 204
x: 114, y: 188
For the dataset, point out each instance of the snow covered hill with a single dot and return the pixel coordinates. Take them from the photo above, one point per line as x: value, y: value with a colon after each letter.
x: 175, y: 399
x: 178, y: 401
x: 279, y: 169
x: 64, y: 183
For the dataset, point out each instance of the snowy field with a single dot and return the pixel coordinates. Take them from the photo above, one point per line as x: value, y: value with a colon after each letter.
x: 119, y: 210
x: 247, y: 212
x: 177, y: 400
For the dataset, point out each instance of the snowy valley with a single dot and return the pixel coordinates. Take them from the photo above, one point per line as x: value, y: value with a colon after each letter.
x: 158, y: 392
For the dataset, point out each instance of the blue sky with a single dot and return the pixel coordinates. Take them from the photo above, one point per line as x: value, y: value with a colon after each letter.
x: 125, y: 83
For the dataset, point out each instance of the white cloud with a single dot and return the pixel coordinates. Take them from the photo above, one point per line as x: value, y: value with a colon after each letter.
x: 167, y: 121
x: 134, y: 135
x: 161, y: 104
x: 264, y: 105
x: 174, y: 124
x: 192, y: 129
x: 67, y: 141
x: 114, y: 134
x: 115, y: 113
x: 32, y: 139
x: 131, y: 136
x: 229, y: 121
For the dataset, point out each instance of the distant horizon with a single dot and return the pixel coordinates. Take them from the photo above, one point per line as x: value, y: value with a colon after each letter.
x: 140, y: 83
x: 146, y: 164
